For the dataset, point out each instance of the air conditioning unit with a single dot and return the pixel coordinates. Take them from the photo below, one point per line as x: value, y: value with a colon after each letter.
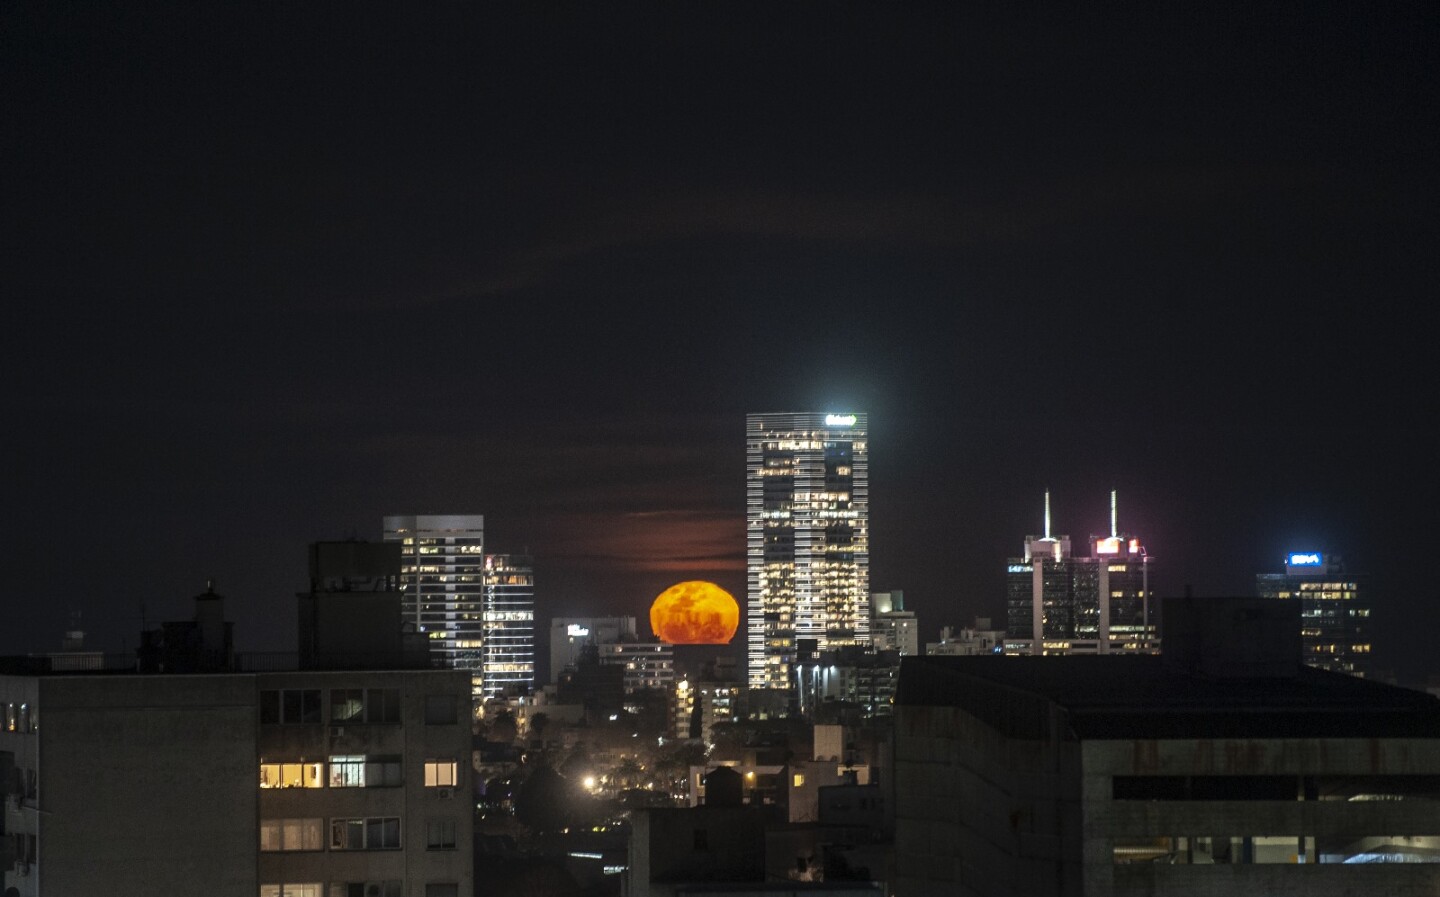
x: 446, y: 792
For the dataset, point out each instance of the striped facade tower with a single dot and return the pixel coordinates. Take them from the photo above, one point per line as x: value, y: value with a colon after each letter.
x: 807, y: 539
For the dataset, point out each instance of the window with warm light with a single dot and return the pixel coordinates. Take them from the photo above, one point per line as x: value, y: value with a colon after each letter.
x: 441, y: 773
x: 292, y: 775
x: 799, y: 780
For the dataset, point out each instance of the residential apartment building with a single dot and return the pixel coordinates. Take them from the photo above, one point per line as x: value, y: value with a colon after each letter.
x: 892, y: 627
x: 278, y: 784
x: 339, y: 771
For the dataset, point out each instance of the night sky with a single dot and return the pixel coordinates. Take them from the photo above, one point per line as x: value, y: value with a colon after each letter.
x: 274, y: 272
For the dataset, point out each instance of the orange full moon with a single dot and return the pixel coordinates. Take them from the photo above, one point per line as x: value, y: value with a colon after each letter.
x: 695, y: 613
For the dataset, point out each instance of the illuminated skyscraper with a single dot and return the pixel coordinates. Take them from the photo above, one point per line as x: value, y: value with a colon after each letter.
x: 807, y: 538
x: 478, y: 610
x: 1129, y: 618
x: 1334, y: 618
x: 508, y: 625
x: 1040, y: 600
x: 1060, y: 604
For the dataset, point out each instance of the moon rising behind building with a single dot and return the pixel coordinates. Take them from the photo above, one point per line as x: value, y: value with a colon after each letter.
x: 695, y: 613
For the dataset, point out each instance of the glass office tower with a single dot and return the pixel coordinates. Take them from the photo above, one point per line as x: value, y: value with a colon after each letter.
x: 1057, y: 603
x: 508, y: 645
x: 1334, y: 617
x: 807, y: 538
x: 477, y: 609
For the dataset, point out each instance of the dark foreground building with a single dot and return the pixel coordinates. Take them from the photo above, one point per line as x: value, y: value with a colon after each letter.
x: 1222, y: 767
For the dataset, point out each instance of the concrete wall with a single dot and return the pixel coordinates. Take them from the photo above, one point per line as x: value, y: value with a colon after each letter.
x: 19, y: 758
x: 147, y: 785
x: 977, y: 813
x: 665, y: 852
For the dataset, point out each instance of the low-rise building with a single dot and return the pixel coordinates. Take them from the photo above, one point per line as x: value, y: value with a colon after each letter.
x: 277, y: 784
x: 968, y: 641
x: 1223, y: 766
x: 192, y: 769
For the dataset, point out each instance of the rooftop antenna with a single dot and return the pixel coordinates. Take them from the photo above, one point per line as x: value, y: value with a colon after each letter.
x: 1114, y: 531
x: 1047, y: 513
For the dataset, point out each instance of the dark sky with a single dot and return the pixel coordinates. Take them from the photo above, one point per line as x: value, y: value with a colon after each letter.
x: 274, y: 272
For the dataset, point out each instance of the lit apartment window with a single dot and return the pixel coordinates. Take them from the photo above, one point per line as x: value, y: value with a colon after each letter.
x: 291, y: 834
x: 370, y: 833
x: 441, y: 773
x: 314, y: 889
x: 440, y: 834
x: 292, y: 775
x: 799, y: 780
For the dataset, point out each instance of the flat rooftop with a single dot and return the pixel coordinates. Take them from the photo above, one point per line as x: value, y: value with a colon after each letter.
x: 1136, y: 696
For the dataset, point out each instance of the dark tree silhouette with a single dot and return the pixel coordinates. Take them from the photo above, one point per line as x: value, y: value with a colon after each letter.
x: 545, y: 800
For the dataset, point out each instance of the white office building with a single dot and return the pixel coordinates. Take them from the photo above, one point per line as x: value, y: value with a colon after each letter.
x: 478, y: 610
x: 807, y: 538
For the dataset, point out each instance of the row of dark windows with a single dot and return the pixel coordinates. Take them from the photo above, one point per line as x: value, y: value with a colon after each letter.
x: 348, y: 706
x: 1276, y: 787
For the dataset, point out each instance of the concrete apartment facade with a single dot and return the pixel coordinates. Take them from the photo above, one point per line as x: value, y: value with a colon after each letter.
x: 280, y: 784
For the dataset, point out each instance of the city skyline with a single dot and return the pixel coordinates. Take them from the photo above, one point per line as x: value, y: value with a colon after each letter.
x: 274, y: 279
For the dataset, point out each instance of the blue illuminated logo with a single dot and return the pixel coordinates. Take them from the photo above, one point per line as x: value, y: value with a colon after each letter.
x: 1304, y: 560
x: 1019, y: 568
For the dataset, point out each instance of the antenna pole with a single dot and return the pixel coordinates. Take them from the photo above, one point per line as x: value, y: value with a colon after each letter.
x: 1047, y: 513
x: 1114, y: 530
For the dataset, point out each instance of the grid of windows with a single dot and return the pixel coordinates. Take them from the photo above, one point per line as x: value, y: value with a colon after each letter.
x: 290, y: 889
x: 807, y: 538
x: 477, y: 609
